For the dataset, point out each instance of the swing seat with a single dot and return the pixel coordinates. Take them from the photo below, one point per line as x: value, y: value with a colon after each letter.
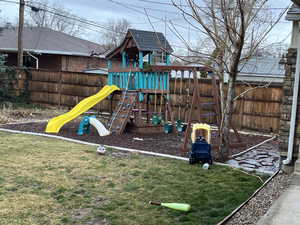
x: 156, y: 120
x: 168, y: 128
x: 180, y: 126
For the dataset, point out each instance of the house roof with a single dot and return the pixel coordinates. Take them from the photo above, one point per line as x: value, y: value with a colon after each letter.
x: 145, y: 41
x: 265, y: 66
x: 48, y: 41
x: 260, y: 66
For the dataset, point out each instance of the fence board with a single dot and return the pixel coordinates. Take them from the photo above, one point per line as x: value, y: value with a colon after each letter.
x: 255, y: 110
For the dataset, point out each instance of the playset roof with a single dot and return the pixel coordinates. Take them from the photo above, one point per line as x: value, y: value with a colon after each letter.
x: 140, y: 40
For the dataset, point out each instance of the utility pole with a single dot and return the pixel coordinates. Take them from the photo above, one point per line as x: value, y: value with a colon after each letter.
x: 20, y: 33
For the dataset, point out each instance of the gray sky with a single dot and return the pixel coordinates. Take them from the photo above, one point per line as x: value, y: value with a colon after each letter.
x: 133, y: 10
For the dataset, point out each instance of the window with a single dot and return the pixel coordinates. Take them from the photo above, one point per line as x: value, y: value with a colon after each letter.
x: 159, y: 57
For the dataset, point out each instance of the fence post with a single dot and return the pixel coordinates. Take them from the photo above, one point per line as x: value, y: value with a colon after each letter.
x: 59, y: 89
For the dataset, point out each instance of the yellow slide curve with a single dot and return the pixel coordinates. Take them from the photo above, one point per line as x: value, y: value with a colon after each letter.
x: 56, y: 123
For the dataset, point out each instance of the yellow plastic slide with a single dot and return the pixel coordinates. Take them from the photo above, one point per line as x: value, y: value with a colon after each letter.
x: 56, y: 123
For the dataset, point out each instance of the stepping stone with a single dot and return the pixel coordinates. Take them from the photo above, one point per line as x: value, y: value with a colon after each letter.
x: 262, y: 157
x: 262, y: 154
x: 239, y: 158
x: 264, y: 163
x: 248, y: 165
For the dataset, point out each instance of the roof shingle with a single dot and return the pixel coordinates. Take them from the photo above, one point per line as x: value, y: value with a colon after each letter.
x: 150, y: 41
x: 45, y: 40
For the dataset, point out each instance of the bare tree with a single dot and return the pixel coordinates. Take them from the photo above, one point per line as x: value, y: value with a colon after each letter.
x: 234, y: 30
x: 115, y: 32
x: 54, y: 16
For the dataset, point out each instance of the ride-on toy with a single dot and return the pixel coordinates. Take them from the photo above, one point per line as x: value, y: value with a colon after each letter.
x: 200, y: 152
x: 201, y: 148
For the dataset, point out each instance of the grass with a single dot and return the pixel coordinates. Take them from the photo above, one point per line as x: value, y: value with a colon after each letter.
x: 45, y: 181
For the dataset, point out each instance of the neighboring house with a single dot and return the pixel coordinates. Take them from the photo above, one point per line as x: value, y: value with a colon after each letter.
x: 48, y: 49
x: 262, y: 69
x: 289, y: 133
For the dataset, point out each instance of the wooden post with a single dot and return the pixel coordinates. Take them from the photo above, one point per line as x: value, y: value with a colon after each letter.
x: 188, y: 128
x: 20, y: 33
x: 194, y: 103
x: 140, y: 115
x: 180, y: 93
x: 188, y: 97
x: 147, y: 107
x: 111, y: 103
x: 150, y: 58
x: 59, y: 90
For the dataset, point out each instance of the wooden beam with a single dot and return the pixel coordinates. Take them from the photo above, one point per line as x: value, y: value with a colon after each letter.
x: 120, y: 70
x: 194, y: 102
x: 187, y: 68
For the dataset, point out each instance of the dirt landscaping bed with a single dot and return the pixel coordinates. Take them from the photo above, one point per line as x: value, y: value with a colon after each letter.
x: 157, y: 142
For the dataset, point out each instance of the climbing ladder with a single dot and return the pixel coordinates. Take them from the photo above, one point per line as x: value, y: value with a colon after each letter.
x: 121, y: 116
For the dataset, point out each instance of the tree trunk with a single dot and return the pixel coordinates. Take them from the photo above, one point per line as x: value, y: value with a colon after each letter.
x: 225, y: 132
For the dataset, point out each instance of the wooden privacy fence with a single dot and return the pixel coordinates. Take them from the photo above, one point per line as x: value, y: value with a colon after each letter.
x: 256, y: 110
x: 62, y: 88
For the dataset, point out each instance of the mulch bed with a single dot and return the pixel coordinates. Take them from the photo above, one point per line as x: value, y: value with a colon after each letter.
x: 154, y: 142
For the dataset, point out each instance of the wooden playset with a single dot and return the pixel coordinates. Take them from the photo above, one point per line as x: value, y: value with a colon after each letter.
x: 140, y: 70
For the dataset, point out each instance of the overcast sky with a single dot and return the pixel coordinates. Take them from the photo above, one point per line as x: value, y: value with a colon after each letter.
x: 133, y: 10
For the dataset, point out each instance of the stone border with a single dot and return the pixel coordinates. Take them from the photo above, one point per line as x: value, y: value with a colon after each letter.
x: 253, y: 147
x: 225, y: 220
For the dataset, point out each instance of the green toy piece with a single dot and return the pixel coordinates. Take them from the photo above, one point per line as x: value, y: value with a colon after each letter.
x: 156, y: 120
x: 177, y: 206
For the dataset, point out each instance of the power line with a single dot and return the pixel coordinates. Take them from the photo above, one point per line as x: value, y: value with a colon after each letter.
x: 92, y: 23
x: 75, y: 18
x: 202, y: 7
x: 143, y: 13
x: 9, y: 1
x: 78, y: 19
x: 133, y: 8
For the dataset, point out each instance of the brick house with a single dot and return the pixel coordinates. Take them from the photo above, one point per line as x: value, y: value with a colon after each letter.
x: 48, y: 49
x: 289, y: 133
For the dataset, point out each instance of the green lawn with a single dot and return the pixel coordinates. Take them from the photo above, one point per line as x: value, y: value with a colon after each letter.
x: 45, y: 181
